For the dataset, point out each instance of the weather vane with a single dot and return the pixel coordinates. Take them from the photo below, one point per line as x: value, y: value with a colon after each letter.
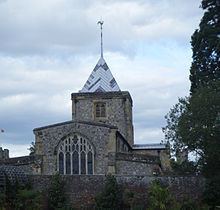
x: 101, y: 23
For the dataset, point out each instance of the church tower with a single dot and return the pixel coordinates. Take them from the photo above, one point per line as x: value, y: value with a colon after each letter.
x: 101, y: 100
x: 99, y: 137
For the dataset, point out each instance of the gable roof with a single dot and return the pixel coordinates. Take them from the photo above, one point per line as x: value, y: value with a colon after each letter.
x: 101, y: 79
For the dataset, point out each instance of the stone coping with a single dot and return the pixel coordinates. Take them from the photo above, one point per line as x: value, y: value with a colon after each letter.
x: 102, y: 95
x: 79, y: 122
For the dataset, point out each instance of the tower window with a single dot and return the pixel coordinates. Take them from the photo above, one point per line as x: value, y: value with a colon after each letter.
x: 100, y: 109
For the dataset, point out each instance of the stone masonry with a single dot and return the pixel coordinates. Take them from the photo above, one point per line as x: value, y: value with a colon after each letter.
x: 81, y: 190
x: 111, y: 136
x: 118, y: 108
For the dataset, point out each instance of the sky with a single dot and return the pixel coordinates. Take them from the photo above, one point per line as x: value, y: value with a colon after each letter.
x: 49, y: 48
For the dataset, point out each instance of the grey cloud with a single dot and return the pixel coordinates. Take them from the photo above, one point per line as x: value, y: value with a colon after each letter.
x: 48, y: 49
x: 39, y: 27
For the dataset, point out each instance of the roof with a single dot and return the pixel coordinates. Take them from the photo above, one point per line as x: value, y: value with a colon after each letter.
x: 101, y: 79
x: 77, y: 121
x: 149, y: 146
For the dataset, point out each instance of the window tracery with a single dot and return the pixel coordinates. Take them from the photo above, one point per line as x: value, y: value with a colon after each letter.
x: 75, y: 156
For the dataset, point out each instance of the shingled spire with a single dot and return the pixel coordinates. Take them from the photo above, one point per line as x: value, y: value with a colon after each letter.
x: 101, y: 78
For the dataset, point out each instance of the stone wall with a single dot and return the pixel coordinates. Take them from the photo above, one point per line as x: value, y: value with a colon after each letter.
x: 162, y: 154
x: 48, y: 139
x: 28, y: 164
x: 81, y: 190
x: 4, y: 153
x: 137, y: 164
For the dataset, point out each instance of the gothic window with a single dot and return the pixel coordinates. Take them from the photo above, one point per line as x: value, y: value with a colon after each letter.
x: 83, y: 163
x: 75, y: 156
x: 90, y: 163
x: 68, y: 164
x: 75, y: 161
x: 100, y: 109
x: 61, y: 164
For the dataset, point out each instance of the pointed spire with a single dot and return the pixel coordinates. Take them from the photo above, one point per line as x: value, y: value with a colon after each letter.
x: 101, y: 23
x: 101, y: 78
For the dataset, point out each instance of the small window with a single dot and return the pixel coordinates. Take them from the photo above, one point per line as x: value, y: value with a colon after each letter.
x: 100, y: 109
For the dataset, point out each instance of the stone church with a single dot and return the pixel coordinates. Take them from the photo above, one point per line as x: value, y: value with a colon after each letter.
x: 100, y: 138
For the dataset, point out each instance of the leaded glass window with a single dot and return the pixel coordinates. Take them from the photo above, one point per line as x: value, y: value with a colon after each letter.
x: 61, y: 163
x: 75, y: 161
x: 68, y: 163
x: 90, y: 163
x: 75, y: 156
x: 83, y: 163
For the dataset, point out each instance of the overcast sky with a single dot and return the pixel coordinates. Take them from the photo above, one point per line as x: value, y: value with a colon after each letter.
x: 49, y: 48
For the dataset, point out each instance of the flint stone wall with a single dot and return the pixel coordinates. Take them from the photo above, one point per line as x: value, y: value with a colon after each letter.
x: 118, y: 110
x: 28, y: 164
x: 136, y: 164
x: 48, y: 139
x: 82, y: 189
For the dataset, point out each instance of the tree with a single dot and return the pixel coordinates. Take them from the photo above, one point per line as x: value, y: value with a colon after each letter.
x: 205, y: 42
x: 32, y: 148
x: 192, y: 124
x: 171, y: 130
x: 56, y: 194
x: 160, y: 197
x: 196, y: 126
x: 110, y: 197
x: 184, y: 168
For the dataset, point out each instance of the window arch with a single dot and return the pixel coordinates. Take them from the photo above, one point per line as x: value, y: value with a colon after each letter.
x: 75, y: 156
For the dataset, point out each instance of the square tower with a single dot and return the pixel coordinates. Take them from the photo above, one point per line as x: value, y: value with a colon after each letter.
x: 112, y: 108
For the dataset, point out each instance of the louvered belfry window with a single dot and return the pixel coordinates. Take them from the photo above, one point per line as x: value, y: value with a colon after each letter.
x: 100, y: 109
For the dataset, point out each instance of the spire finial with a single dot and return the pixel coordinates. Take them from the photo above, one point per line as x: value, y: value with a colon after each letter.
x: 101, y: 23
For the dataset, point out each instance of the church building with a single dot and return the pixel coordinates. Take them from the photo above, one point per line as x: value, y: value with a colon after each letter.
x: 99, y: 139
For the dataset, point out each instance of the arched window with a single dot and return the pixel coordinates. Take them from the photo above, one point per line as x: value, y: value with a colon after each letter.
x: 75, y: 156
x: 61, y: 163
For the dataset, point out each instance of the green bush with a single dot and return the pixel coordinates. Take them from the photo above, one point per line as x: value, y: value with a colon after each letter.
x: 212, y: 192
x: 28, y: 199
x: 110, y: 197
x: 19, y: 197
x: 160, y: 197
x: 56, y: 194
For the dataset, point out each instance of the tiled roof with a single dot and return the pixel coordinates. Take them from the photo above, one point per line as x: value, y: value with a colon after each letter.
x: 101, y: 79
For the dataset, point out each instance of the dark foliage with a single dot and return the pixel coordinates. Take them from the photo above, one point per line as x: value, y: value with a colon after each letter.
x: 184, y: 168
x: 205, y: 67
x: 19, y: 197
x: 212, y: 192
x: 32, y: 149
x: 110, y: 197
x: 160, y: 197
x: 56, y: 193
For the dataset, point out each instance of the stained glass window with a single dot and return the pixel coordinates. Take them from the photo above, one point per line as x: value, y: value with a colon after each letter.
x: 90, y: 163
x: 61, y: 161
x: 83, y: 163
x: 68, y: 163
x: 75, y: 161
